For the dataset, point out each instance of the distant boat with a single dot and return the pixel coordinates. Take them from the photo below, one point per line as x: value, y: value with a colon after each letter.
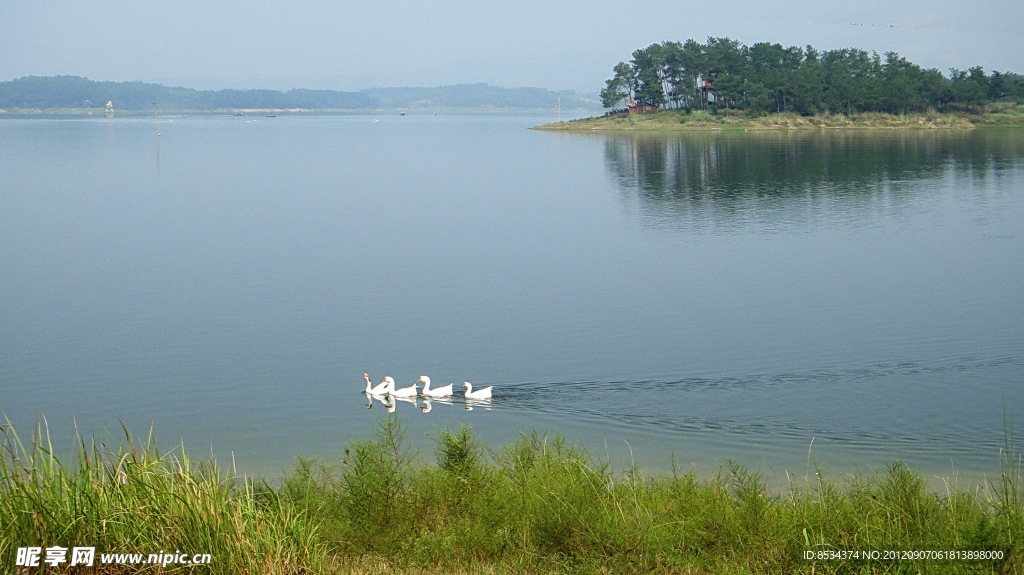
x: 271, y: 115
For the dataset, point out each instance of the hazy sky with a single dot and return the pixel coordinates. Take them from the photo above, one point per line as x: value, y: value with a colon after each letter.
x: 366, y: 44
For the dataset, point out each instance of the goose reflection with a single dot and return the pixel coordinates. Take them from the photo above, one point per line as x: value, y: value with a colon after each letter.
x: 387, y: 401
x: 413, y: 400
x: 483, y: 403
x: 428, y: 404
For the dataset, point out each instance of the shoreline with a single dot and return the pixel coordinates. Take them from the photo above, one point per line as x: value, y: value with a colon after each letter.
x: 1001, y: 116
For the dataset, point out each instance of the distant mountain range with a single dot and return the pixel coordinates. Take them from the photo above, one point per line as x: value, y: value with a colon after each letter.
x: 75, y: 92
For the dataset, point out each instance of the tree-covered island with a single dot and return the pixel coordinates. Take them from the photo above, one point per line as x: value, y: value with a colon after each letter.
x: 724, y: 83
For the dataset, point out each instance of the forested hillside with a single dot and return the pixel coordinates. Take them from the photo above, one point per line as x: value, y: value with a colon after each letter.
x: 73, y: 92
x: 768, y: 78
x: 51, y: 92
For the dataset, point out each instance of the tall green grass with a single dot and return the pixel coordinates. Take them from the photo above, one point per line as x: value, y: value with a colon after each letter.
x: 544, y: 505
x: 538, y: 505
x: 138, y: 500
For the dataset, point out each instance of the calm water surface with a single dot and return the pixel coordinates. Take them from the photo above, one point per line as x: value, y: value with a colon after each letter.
x: 855, y: 295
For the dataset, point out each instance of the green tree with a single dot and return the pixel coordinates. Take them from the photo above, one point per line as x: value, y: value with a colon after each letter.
x: 998, y: 87
x: 968, y: 88
x: 775, y: 69
x: 848, y: 78
x: 727, y: 70
x: 674, y: 77
x: 808, y: 84
x: 694, y: 70
x: 648, y: 65
x: 900, y: 80
x: 619, y: 87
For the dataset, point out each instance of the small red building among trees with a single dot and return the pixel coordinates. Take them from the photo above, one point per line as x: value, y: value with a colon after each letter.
x: 634, y: 107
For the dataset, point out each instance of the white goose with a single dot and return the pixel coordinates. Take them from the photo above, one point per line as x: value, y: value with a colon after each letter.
x: 404, y: 392
x: 443, y: 391
x: 379, y: 389
x: 483, y: 393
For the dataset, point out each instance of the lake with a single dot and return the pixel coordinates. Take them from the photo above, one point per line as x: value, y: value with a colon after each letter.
x: 852, y: 298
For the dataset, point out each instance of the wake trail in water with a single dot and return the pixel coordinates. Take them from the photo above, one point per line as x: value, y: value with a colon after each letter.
x: 863, y: 407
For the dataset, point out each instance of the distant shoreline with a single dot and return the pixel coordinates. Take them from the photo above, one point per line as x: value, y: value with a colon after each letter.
x: 1005, y: 116
x: 12, y: 113
x: 69, y: 95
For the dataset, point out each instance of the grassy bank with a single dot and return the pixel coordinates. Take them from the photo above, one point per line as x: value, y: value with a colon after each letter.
x: 539, y: 505
x: 996, y: 115
x: 136, y: 499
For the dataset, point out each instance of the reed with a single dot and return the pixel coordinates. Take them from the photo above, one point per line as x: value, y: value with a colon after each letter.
x: 542, y: 504
x: 539, y: 505
x: 137, y: 500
